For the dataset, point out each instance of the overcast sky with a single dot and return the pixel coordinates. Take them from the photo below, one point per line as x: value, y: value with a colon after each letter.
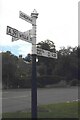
x: 57, y: 21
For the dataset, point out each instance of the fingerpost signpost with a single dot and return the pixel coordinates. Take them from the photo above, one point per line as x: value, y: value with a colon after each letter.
x: 30, y: 36
x: 16, y: 35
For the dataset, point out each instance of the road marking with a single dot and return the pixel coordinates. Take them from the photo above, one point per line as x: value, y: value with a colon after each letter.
x: 5, y: 92
x: 73, y: 101
x: 14, y: 97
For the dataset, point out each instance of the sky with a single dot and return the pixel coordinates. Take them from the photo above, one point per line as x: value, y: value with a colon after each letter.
x: 57, y: 21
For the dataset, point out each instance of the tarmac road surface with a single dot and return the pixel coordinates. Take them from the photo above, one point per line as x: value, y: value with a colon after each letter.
x: 20, y: 99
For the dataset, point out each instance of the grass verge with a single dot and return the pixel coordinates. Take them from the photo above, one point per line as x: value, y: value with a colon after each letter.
x: 58, y: 110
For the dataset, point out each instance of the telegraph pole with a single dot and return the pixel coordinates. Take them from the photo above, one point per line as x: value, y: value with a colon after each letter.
x: 34, y: 16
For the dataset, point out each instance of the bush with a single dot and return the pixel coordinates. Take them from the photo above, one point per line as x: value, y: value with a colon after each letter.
x: 42, y: 81
x: 74, y: 82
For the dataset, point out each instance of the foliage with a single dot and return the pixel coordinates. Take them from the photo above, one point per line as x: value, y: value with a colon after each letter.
x: 47, y: 45
x: 48, y: 80
x: 28, y: 58
x: 67, y: 63
x: 17, y: 74
x: 9, y: 65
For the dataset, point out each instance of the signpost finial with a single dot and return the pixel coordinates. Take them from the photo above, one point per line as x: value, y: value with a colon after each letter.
x: 34, y: 11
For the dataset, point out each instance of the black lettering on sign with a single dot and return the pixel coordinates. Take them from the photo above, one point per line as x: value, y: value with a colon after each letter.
x: 48, y: 54
x: 30, y: 39
x: 42, y: 51
x: 53, y: 54
x: 9, y: 31
x: 22, y: 35
x: 27, y: 38
x: 13, y: 32
x: 39, y: 52
x: 21, y: 15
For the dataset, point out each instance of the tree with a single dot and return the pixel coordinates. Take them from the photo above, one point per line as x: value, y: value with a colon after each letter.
x: 48, y: 62
x: 9, y: 66
x: 28, y: 58
x: 23, y: 73
x: 78, y: 50
x: 67, y: 63
x: 47, y: 45
x: 15, y: 72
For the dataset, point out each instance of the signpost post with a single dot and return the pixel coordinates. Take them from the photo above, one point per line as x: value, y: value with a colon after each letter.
x: 32, y: 20
x: 34, y: 16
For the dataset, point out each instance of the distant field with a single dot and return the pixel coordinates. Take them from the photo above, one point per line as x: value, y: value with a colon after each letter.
x: 58, y: 110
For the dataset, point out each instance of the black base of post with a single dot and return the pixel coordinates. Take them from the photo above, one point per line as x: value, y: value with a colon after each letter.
x: 34, y: 88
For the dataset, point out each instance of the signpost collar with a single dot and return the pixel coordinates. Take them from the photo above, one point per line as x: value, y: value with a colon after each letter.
x: 34, y: 14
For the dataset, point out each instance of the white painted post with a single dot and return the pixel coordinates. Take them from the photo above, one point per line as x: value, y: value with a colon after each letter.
x: 34, y: 16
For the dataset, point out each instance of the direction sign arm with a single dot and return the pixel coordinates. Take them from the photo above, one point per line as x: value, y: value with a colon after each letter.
x: 12, y: 31
x: 25, y: 17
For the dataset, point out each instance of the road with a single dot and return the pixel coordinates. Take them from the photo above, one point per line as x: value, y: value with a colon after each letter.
x: 20, y: 100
